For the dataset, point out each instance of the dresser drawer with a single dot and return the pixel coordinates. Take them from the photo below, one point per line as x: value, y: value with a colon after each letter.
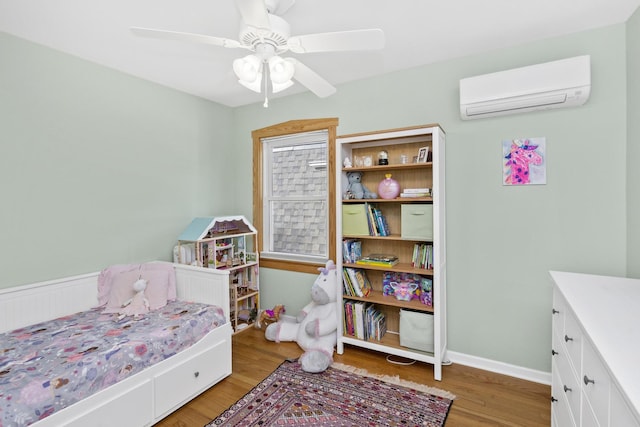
x: 587, y: 417
x: 602, y: 346
x: 568, y: 386
x: 620, y: 413
x: 560, y: 410
x: 595, y: 382
x: 572, y: 339
x: 557, y: 313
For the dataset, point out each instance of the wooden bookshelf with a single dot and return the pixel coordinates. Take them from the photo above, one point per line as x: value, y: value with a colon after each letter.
x: 428, y: 174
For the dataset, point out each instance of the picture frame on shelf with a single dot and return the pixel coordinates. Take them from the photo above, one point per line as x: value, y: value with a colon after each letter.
x: 423, y: 155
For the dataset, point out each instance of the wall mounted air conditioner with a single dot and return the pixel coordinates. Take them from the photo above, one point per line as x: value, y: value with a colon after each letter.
x: 556, y: 84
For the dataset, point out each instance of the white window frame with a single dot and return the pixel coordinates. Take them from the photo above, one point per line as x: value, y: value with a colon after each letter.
x: 297, y: 141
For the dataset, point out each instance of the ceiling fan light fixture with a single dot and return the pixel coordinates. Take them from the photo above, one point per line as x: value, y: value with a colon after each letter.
x: 255, y: 85
x: 267, y: 35
x: 280, y: 70
x: 248, y: 69
x: 279, y: 87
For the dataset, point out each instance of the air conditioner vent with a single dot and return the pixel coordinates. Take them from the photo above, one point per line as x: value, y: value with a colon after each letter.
x: 557, y: 84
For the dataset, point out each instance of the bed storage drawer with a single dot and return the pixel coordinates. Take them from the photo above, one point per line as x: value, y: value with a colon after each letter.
x: 191, y: 377
x: 133, y: 407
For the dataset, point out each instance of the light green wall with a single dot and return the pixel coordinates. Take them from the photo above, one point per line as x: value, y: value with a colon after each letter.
x: 502, y: 241
x: 633, y: 145
x: 98, y: 167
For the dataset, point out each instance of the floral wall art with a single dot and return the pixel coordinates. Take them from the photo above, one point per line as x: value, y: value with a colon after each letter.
x: 524, y: 161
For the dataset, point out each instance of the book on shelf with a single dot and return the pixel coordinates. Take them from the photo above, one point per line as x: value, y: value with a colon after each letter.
x: 347, y: 324
x: 415, y: 192
x: 363, y: 320
x: 381, y: 222
x: 376, y: 323
x: 355, y: 282
x: 351, y: 250
x: 414, y: 195
x: 359, y: 320
x: 422, y: 256
x: 381, y: 260
x: 376, y: 221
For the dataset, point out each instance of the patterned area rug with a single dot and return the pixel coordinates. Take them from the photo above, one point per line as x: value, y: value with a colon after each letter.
x: 340, y: 396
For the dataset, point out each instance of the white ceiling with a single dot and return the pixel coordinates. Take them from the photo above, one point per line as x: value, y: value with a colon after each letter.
x: 417, y: 32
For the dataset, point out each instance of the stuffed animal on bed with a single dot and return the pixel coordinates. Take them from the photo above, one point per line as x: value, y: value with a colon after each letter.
x: 356, y: 189
x: 315, y: 328
x: 139, y: 304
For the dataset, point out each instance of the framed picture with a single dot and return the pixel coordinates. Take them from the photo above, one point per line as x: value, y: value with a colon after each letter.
x: 524, y: 161
x: 423, y: 154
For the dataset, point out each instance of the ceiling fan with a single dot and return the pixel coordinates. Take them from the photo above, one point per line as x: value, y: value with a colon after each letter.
x: 267, y: 36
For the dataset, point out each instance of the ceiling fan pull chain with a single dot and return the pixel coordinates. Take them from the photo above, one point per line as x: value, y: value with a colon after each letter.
x: 266, y: 79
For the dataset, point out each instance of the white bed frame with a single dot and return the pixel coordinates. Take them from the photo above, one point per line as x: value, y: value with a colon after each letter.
x: 148, y: 396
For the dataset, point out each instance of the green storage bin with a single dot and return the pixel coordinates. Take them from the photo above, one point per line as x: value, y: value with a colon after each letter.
x: 354, y: 220
x: 417, y: 221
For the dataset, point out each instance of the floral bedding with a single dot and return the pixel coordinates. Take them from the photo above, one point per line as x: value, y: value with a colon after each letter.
x: 48, y: 366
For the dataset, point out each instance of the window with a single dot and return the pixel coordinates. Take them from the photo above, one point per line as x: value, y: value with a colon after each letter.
x: 294, y: 204
x: 295, y: 197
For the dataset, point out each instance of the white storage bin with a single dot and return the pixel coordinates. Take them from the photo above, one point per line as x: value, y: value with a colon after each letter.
x: 416, y: 330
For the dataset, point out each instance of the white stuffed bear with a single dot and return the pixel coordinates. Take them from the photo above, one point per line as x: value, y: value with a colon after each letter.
x: 356, y: 189
x: 315, y: 330
x: 139, y: 304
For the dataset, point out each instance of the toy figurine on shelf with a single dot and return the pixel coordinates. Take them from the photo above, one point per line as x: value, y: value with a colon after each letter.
x: 403, y: 291
x: 356, y: 189
x: 247, y: 315
x: 383, y: 158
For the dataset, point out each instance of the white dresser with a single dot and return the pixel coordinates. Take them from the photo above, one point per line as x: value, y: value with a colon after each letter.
x: 595, y: 351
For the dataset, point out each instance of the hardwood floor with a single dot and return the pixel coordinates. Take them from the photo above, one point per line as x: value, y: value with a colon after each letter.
x: 483, y: 398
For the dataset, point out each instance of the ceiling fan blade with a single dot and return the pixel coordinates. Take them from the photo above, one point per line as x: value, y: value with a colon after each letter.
x: 311, y: 80
x: 254, y: 13
x: 279, y: 7
x: 339, y: 41
x: 185, y: 37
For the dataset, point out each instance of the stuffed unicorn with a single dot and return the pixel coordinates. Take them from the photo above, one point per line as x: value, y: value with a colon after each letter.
x: 315, y: 329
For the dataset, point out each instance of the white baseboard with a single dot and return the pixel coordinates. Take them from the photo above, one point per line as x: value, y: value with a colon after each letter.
x: 500, y: 367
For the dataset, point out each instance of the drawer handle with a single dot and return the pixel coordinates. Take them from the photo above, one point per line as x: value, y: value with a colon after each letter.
x: 566, y: 389
x: 554, y: 311
x: 567, y: 338
x: 196, y: 374
x: 587, y: 380
x: 553, y: 352
x: 553, y: 399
